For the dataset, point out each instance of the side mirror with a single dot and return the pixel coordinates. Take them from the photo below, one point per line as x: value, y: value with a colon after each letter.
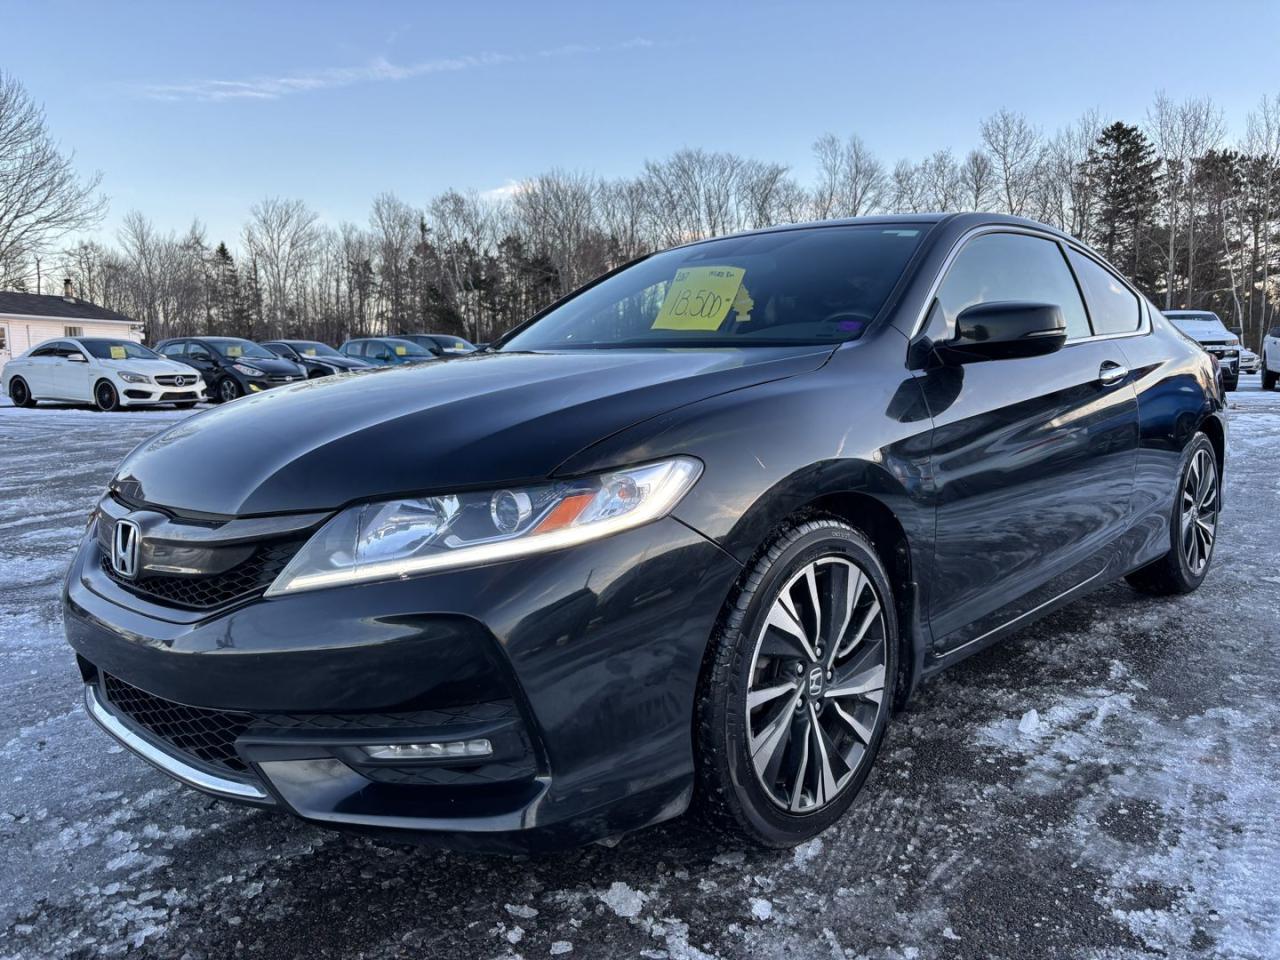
x: 1006, y: 330
x: 76, y: 358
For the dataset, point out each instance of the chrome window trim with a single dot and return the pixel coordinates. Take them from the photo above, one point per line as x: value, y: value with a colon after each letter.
x: 167, y: 762
x: 1144, y: 326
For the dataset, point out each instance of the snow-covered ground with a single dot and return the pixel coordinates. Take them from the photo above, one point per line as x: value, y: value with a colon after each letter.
x: 1103, y: 786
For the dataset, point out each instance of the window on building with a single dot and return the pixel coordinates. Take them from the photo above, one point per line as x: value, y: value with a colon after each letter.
x: 73, y: 331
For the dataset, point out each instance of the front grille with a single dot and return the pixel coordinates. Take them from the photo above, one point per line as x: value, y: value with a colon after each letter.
x: 171, y: 379
x: 249, y: 578
x: 208, y: 736
x: 176, y: 395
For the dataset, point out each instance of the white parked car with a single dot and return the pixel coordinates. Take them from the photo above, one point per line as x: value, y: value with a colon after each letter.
x: 1249, y: 362
x: 107, y: 373
x: 1204, y: 327
x: 1271, y: 358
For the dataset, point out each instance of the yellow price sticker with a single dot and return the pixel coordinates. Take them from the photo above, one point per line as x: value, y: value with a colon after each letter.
x: 117, y: 353
x: 234, y: 352
x: 699, y: 298
x: 309, y: 352
x: 401, y: 351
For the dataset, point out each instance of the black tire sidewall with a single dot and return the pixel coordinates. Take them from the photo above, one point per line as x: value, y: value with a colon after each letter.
x: 1190, y: 580
x: 97, y: 399
x: 17, y: 383
x: 769, y: 823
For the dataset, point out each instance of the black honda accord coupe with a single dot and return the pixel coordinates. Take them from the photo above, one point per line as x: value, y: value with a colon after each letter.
x: 687, y: 538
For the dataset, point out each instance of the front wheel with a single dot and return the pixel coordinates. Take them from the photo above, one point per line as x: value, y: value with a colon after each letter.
x: 105, y: 396
x: 1193, y: 528
x: 20, y: 394
x: 228, y: 390
x: 795, y: 697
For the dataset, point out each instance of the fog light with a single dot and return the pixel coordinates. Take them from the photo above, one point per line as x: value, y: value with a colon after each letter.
x: 449, y: 749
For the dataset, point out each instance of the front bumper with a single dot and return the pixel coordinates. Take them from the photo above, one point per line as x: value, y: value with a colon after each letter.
x: 597, y: 650
x: 141, y: 394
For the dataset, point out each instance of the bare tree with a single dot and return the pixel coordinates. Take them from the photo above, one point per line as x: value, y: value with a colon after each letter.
x: 1015, y: 149
x: 909, y: 191
x: 977, y: 181
x: 281, y: 236
x: 41, y: 197
x: 851, y: 180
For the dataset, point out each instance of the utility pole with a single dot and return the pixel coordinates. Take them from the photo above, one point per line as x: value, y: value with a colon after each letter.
x: 38, y: 290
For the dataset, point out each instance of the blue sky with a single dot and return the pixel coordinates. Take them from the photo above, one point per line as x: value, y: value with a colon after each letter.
x: 193, y: 109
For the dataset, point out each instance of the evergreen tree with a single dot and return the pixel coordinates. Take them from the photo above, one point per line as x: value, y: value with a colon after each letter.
x: 1125, y: 171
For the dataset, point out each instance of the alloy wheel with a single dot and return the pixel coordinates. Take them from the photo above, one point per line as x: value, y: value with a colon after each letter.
x: 228, y: 391
x: 817, y: 684
x: 106, y: 397
x: 1199, y: 511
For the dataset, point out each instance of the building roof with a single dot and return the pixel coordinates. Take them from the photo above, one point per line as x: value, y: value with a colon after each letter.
x: 36, y: 305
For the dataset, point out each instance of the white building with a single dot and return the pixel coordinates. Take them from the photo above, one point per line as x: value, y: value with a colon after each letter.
x: 27, y: 319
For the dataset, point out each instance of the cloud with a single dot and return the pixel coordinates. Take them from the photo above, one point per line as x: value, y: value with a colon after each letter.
x: 379, y: 70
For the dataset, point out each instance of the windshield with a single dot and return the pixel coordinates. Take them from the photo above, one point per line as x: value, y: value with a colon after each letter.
x: 453, y: 343
x: 235, y: 349
x: 313, y: 348
x: 819, y: 285
x: 118, y: 350
x: 407, y: 348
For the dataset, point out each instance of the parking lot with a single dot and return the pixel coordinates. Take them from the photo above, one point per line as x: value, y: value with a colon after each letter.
x: 1103, y: 785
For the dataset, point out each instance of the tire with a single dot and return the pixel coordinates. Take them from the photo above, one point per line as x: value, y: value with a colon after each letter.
x: 228, y: 390
x: 20, y: 393
x: 785, y: 800
x: 105, y: 396
x: 1269, y: 378
x: 1230, y: 384
x: 1179, y: 571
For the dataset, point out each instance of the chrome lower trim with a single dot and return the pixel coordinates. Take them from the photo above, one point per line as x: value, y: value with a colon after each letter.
x: 1022, y: 616
x: 173, y: 766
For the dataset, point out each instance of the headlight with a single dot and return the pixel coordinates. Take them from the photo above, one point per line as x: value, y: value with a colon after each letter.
x: 1233, y: 342
x: 402, y: 538
x: 134, y: 377
x: 247, y: 370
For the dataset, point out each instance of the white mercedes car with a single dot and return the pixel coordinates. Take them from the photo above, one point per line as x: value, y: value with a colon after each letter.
x: 107, y: 373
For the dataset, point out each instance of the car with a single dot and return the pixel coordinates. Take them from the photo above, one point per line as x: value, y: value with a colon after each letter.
x: 232, y: 366
x: 316, y: 358
x: 387, y: 351
x: 687, y: 539
x: 1249, y: 361
x: 1271, y: 358
x: 1207, y: 329
x: 106, y: 372
x: 441, y: 344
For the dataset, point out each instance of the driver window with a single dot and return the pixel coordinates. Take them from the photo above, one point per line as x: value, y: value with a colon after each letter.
x: 173, y: 349
x: 197, y: 352
x: 1011, y: 266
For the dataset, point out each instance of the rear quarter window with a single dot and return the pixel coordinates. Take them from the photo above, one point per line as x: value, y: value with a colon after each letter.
x: 1113, y: 307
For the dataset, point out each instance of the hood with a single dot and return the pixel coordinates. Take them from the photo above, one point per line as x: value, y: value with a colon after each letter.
x: 340, y: 363
x: 1202, y: 330
x: 478, y: 421
x: 151, y: 368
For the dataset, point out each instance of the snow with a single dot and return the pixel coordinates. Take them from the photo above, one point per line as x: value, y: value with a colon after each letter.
x: 1101, y: 785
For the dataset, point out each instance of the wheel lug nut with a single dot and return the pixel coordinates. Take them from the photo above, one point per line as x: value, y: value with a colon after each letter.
x: 831, y: 674
x: 818, y: 651
x: 799, y: 668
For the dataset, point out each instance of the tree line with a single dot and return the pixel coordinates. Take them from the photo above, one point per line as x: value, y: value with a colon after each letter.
x: 1189, y: 213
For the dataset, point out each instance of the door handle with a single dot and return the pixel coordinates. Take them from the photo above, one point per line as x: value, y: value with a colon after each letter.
x: 1111, y: 372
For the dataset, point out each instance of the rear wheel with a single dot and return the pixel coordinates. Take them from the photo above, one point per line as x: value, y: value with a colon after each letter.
x: 105, y: 396
x: 795, y: 698
x: 20, y: 394
x: 1269, y: 378
x: 1193, y: 528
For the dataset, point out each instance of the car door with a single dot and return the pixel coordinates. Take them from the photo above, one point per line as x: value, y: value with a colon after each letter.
x: 75, y: 373
x: 38, y: 370
x: 53, y: 370
x: 1033, y: 458
x: 201, y: 357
